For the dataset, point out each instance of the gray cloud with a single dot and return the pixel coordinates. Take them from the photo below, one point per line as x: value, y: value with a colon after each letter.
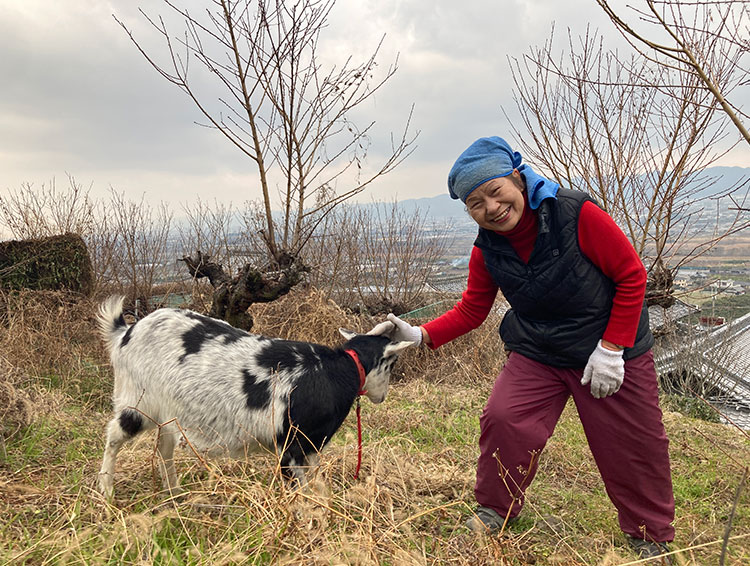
x: 77, y: 97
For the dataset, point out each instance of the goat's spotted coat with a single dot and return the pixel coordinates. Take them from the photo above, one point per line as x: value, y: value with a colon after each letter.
x: 225, y: 390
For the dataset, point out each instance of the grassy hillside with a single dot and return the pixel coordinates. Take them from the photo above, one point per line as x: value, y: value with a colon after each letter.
x: 408, y: 507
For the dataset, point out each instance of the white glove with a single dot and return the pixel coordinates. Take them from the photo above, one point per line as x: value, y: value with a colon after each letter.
x: 405, y: 332
x: 385, y: 328
x: 605, y: 370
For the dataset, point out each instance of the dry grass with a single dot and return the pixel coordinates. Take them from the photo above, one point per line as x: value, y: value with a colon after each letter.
x: 408, y: 507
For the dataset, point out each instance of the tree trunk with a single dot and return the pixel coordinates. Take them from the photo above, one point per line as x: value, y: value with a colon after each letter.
x: 233, y: 295
x: 659, y: 286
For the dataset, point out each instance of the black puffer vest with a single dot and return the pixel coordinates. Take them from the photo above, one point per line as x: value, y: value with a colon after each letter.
x: 560, y: 301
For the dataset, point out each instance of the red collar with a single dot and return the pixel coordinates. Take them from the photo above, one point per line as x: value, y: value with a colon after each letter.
x: 360, y: 369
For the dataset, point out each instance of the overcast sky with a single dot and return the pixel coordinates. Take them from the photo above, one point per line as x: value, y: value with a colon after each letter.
x: 77, y: 98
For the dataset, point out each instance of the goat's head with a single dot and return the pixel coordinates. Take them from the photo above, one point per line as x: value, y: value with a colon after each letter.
x: 378, y: 354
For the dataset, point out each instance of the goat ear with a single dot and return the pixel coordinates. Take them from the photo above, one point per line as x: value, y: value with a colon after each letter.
x: 348, y: 334
x: 396, y: 347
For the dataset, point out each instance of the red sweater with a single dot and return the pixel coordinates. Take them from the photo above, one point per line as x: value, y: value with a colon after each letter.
x: 600, y: 240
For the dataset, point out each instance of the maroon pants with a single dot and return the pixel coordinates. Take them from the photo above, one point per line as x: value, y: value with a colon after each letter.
x: 624, y: 431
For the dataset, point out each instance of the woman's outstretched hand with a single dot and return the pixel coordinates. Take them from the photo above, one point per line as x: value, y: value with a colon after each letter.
x: 398, y: 330
x: 405, y: 332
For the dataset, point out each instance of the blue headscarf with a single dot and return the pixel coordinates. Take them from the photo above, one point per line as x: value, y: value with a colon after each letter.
x: 490, y: 158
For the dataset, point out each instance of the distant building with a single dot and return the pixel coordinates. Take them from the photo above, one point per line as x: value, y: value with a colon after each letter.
x: 720, y: 285
x: 712, y: 320
x: 681, y: 282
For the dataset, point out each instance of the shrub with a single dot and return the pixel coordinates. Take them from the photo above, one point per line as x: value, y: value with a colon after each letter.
x: 55, y: 263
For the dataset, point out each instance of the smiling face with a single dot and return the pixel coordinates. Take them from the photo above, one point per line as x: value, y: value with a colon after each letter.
x: 498, y: 204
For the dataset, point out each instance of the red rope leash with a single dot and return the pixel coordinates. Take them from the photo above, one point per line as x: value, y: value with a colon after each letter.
x: 359, y: 442
x: 362, y: 391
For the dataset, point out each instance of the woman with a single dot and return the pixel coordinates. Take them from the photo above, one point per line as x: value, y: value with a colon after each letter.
x: 577, y: 326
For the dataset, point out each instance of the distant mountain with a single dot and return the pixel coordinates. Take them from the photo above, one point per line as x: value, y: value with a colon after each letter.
x: 714, y: 181
x: 438, y: 207
x: 722, y: 179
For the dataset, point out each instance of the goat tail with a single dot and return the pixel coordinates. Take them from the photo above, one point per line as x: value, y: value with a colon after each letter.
x: 110, y: 320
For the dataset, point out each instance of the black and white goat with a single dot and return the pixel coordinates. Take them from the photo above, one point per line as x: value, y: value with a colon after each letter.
x: 224, y: 390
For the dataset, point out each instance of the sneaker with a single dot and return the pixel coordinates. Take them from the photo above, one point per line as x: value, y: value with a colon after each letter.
x: 486, y: 520
x: 650, y: 549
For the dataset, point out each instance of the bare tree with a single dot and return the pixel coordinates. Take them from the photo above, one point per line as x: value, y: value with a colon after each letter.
x: 127, y: 241
x: 39, y: 212
x: 211, y: 228
x: 102, y: 243
x: 333, y: 267
x: 393, y: 257
x: 377, y: 256
x: 593, y: 123
x: 282, y: 110
x: 141, y: 246
x: 706, y: 41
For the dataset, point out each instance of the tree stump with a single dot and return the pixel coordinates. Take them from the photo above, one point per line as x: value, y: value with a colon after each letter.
x: 232, y: 296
